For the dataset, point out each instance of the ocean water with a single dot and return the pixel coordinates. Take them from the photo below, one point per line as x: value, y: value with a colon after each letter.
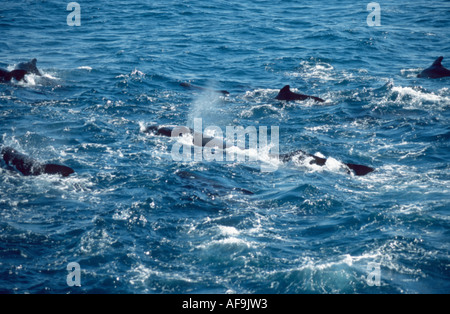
x: 137, y: 221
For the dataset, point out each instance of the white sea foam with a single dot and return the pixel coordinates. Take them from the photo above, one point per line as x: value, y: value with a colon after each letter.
x: 85, y: 67
x: 228, y: 231
x: 314, y: 70
x: 417, y: 95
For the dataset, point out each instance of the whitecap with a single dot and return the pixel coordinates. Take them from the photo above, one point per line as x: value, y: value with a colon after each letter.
x: 85, y: 67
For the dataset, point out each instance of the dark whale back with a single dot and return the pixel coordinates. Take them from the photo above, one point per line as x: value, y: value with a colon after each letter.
x: 7, y: 76
x: 30, y: 167
x: 30, y: 67
x: 286, y: 94
x: 436, y: 70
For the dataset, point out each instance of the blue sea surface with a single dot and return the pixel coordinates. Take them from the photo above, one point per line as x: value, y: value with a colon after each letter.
x: 137, y: 221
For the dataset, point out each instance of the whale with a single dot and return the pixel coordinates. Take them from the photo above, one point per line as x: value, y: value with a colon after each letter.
x: 435, y: 71
x: 30, y: 67
x: 286, y: 94
x: 300, y: 155
x: 30, y: 167
x: 7, y: 76
x: 202, y: 140
x: 190, y: 86
x: 199, y: 139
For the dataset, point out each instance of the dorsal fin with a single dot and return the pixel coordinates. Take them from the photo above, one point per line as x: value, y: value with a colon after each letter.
x: 438, y: 61
x: 284, y: 93
x: 285, y: 89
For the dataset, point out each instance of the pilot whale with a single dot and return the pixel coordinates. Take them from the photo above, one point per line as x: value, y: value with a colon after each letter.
x: 6, y: 76
x: 177, y: 131
x: 286, y: 94
x: 30, y: 167
x: 300, y: 155
x: 30, y: 67
x: 171, y: 131
x: 436, y: 70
